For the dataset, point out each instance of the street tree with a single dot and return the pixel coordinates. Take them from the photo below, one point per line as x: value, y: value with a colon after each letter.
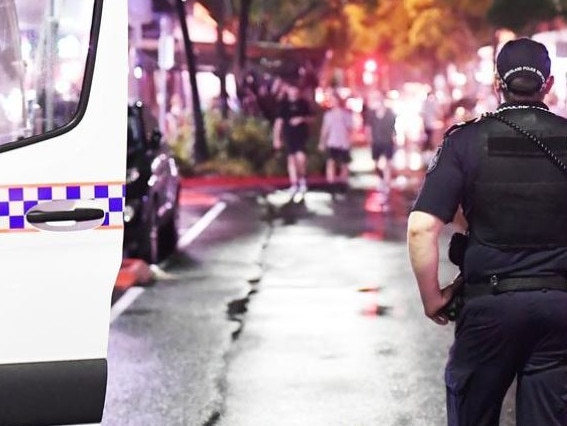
x: 312, y: 23
x: 429, y: 34
x: 524, y: 16
x: 219, y: 10
x: 425, y: 35
x: 201, y: 152
x: 276, y: 20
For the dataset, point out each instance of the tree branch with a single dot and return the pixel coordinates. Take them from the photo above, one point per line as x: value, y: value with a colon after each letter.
x: 314, y: 5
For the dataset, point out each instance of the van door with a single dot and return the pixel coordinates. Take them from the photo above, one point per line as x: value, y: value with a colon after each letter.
x: 63, y: 105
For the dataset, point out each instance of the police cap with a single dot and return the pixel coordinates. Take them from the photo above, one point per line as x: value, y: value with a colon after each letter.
x: 523, y: 65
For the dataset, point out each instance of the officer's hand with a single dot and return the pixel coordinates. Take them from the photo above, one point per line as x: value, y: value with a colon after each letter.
x: 438, y: 317
x: 277, y: 144
x: 434, y: 308
x: 452, y: 309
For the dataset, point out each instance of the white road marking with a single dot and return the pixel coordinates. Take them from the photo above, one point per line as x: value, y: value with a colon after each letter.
x: 187, y: 238
x: 202, y: 224
x: 124, y: 302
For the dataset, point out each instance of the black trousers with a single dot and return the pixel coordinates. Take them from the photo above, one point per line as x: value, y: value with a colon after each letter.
x: 499, y: 338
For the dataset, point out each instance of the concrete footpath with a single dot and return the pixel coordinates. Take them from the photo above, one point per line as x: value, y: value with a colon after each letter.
x: 334, y: 332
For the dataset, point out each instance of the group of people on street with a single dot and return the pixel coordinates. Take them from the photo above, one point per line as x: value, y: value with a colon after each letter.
x: 292, y: 130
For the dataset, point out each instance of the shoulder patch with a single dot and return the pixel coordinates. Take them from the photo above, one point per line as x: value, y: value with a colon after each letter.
x: 458, y: 126
x: 435, y: 160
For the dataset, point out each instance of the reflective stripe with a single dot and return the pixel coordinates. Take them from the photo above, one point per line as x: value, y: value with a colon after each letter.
x: 16, y: 201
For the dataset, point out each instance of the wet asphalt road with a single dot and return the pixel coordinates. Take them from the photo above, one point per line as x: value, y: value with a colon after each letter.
x: 283, y: 314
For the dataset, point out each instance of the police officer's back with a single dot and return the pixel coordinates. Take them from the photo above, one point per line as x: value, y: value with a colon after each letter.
x: 505, y: 170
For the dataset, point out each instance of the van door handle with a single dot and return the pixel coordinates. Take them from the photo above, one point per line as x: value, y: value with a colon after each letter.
x: 81, y: 214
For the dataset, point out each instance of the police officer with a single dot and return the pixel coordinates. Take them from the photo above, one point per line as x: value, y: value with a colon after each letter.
x: 513, y: 325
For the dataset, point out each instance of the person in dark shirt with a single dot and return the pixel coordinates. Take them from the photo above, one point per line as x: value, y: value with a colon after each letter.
x: 511, y: 190
x: 380, y: 131
x: 291, y: 131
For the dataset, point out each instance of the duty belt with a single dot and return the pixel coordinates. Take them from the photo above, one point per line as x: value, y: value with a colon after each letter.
x: 496, y: 285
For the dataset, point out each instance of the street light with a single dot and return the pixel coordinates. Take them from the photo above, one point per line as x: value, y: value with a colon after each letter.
x: 369, y: 72
x: 370, y: 65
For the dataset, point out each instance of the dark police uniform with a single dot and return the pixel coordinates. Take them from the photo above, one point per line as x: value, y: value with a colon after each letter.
x: 515, y: 201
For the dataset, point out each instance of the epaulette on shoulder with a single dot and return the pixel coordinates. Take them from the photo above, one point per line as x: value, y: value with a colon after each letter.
x: 460, y: 125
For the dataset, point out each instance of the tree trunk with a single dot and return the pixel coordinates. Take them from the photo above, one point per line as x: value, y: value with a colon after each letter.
x: 242, y: 42
x: 222, y: 60
x: 200, y: 150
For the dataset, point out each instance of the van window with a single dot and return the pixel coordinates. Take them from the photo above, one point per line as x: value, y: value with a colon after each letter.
x: 43, y: 54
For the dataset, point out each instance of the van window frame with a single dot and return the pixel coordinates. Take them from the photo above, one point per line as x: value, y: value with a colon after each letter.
x: 85, y: 89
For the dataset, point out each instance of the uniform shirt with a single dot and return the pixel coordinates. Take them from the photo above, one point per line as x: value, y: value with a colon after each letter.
x: 337, y: 122
x: 447, y: 185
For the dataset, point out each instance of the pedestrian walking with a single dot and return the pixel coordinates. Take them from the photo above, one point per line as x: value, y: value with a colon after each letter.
x: 506, y: 169
x: 380, y: 130
x: 291, y: 131
x: 335, y: 140
x: 432, y: 117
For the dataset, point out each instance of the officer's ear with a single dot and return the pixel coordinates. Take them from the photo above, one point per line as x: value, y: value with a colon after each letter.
x: 498, y: 86
x: 498, y: 83
x: 546, y: 88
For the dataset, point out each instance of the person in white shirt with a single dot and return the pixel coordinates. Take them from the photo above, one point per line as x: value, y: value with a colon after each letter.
x: 335, y: 140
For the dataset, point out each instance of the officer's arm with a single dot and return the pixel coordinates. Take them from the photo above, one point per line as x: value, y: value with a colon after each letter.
x: 423, y: 247
x: 460, y: 221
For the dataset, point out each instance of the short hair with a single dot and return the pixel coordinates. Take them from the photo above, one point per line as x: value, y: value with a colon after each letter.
x: 525, y: 86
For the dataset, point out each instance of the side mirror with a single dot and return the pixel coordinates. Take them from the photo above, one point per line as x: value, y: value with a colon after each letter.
x: 155, y: 139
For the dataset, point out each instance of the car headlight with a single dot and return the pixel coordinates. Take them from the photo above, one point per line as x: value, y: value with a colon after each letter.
x: 132, y: 175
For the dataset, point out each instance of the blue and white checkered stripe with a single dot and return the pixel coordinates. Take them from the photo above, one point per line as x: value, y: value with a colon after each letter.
x: 16, y: 201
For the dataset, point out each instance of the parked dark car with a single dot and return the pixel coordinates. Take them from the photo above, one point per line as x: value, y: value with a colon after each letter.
x: 152, y: 190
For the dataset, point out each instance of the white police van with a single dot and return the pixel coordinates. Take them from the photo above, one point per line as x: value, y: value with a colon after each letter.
x: 63, y: 91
